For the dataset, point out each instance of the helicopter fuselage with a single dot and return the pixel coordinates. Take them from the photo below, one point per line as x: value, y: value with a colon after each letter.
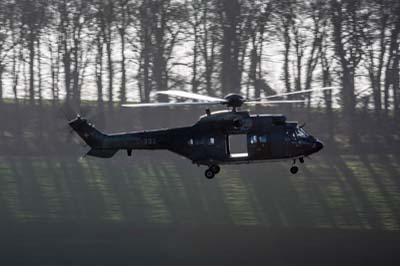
x: 217, y: 138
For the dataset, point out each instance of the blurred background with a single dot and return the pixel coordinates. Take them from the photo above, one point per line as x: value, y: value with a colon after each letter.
x: 60, y: 57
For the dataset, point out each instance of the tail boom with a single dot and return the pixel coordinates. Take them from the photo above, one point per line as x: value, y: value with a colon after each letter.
x: 105, y: 146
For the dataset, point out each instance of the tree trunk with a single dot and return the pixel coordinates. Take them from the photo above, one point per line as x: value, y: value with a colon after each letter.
x: 159, y: 63
x: 145, y: 60
x: 347, y: 65
x: 15, y: 72
x: 286, y: 54
x: 209, y: 62
x: 194, y: 81
x: 392, y: 68
x: 253, y: 72
x: 327, y: 82
x: 75, y: 72
x: 208, y: 59
x: 146, y: 54
x: 377, y: 94
x: 39, y: 72
x: 396, y: 83
x: 99, y: 72
x: 316, y: 48
x: 122, y: 92
x: 230, y: 50
x: 54, y: 69
x: 109, y: 67
x: 67, y: 70
x: 1, y: 81
x: 31, y: 47
x: 146, y: 75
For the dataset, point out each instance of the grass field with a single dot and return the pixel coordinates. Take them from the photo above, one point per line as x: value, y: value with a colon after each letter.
x: 342, y: 191
x: 155, y: 208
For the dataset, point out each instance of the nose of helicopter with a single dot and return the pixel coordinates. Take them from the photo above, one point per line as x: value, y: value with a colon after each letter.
x: 318, y: 145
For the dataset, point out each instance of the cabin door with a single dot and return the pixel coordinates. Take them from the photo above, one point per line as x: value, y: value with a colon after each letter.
x: 237, y: 145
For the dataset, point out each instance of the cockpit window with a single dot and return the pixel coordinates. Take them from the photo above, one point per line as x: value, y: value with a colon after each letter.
x: 263, y: 138
x: 301, y: 133
x: 303, y: 136
x: 253, y: 139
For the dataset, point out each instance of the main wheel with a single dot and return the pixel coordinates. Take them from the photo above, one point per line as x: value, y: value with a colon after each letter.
x: 301, y: 159
x: 215, y: 168
x: 294, y: 169
x: 209, y: 174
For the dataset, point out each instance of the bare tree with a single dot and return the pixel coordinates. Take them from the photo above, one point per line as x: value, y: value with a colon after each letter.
x: 8, y: 40
x: 168, y: 17
x: 17, y: 48
x: 286, y: 16
x: 144, y: 44
x: 194, y: 10
x: 234, y: 20
x: 160, y: 25
x: 392, y: 78
x: 376, y: 44
x: 105, y: 20
x: 73, y: 18
x: 317, y: 11
x: 259, y: 15
x: 33, y: 19
x: 54, y: 51
x: 99, y: 69
x: 124, y: 12
x: 349, y: 21
x: 208, y: 44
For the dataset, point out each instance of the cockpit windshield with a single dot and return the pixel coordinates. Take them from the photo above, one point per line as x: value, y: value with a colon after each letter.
x: 303, y: 136
x: 301, y: 133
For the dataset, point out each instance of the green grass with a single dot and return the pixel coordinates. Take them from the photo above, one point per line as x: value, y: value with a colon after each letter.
x: 348, y: 191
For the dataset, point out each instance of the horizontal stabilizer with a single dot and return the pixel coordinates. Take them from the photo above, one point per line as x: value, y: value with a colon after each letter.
x: 102, y: 153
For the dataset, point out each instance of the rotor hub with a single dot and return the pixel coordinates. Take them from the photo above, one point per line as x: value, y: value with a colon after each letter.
x: 234, y: 100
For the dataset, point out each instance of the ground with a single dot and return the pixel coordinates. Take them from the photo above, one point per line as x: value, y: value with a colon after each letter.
x: 342, y: 208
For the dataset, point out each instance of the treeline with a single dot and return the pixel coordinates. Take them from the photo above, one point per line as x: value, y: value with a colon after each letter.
x: 120, y: 50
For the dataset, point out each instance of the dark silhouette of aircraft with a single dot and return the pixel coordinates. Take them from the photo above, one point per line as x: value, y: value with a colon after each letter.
x: 224, y: 137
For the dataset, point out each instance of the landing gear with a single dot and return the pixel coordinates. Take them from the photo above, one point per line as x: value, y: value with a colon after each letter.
x: 212, y: 171
x: 209, y: 174
x: 294, y: 169
x: 215, y: 168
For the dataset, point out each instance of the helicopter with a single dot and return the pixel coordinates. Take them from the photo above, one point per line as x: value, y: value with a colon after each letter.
x: 217, y: 138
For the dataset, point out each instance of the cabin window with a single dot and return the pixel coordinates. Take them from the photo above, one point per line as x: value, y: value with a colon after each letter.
x: 211, y: 141
x: 262, y: 138
x: 199, y: 141
x: 253, y: 139
x: 190, y: 142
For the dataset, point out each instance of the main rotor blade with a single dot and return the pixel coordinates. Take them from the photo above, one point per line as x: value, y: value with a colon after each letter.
x: 189, y: 95
x: 299, y: 92
x: 274, y: 102
x: 134, y: 105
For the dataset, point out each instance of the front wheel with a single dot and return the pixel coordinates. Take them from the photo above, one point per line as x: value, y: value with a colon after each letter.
x: 209, y: 174
x: 294, y: 169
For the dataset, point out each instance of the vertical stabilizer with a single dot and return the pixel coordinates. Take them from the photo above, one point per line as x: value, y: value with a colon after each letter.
x: 87, y: 132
